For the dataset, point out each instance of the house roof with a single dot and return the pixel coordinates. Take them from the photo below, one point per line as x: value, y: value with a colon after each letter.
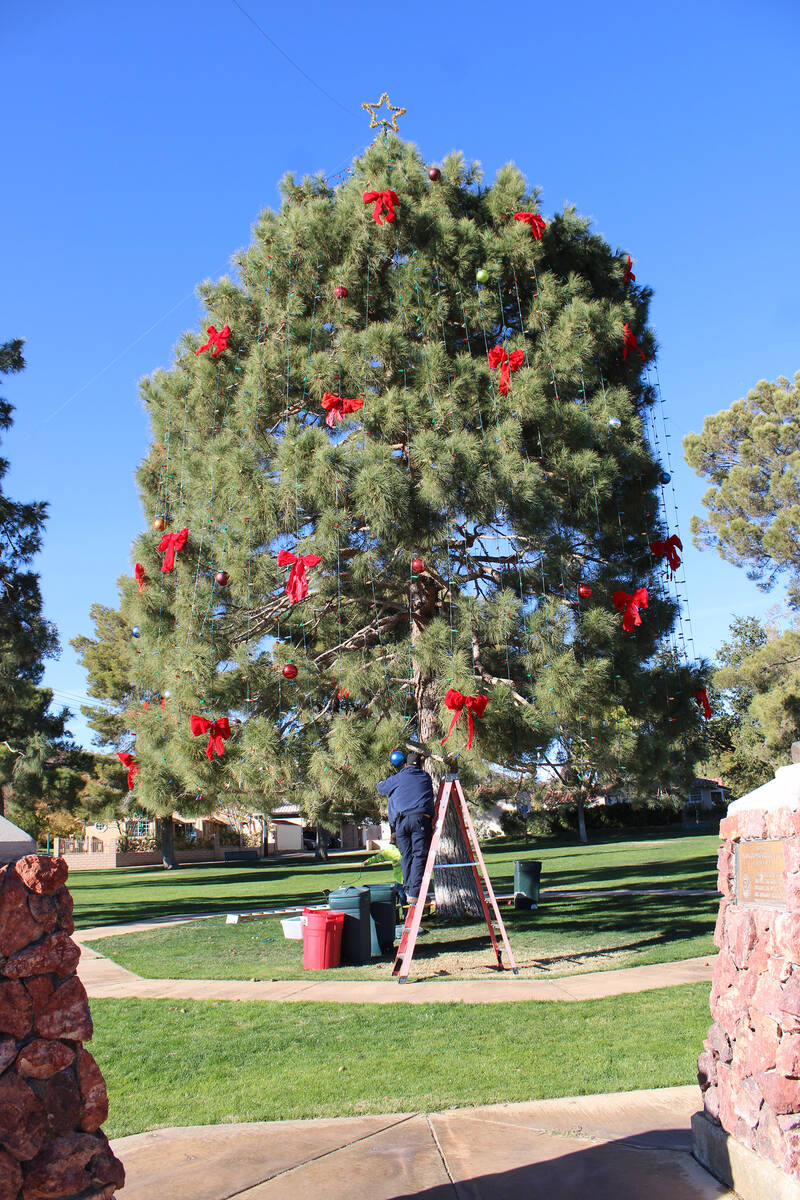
x: 14, y: 842
x: 710, y: 783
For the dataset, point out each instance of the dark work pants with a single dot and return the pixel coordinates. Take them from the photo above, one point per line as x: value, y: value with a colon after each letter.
x: 413, y: 832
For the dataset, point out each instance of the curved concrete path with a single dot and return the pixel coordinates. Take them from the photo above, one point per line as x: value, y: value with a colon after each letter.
x: 104, y: 978
x: 623, y: 1146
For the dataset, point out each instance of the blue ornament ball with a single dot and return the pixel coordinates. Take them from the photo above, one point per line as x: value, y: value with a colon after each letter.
x: 135, y: 631
x: 664, y: 477
x: 614, y: 422
x: 397, y: 758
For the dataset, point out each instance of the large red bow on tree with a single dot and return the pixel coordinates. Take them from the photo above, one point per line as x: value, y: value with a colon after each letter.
x: 171, y: 543
x: 383, y: 200
x: 456, y: 702
x: 701, y: 696
x: 129, y: 761
x: 297, y: 583
x: 217, y: 340
x: 629, y: 342
x: 669, y: 550
x: 627, y: 271
x: 630, y: 605
x: 534, y: 220
x: 339, y: 406
x: 218, y: 732
x: 138, y: 571
x: 508, y: 364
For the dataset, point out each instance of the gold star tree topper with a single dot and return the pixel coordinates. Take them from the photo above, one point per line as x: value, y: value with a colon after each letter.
x: 373, y: 110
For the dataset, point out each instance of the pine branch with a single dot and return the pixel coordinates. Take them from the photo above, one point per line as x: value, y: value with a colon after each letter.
x: 368, y: 635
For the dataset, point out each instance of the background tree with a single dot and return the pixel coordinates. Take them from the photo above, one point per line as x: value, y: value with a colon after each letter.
x: 31, y: 736
x: 447, y: 408
x: 756, y: 690
x: 750, y: 453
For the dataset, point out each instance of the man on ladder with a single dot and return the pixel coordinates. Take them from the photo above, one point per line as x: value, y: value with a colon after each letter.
x: 411, y: 811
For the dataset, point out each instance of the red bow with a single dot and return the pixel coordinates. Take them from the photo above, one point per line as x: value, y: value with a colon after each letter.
x: 627, y: 271
x: 629, y: 342
x: 669, y: 550
x: 138, y: 571
x: 297, y: 583
x: 218, y: 732
x: 339, y: 406
x: 383, y: 200
x: 508, y: 364
x: 128, y: 761
x: 217, y: 340
x: 171, y: 543
x: 630, y: 605
x: 455, y: 701
x: 534, y: 220
x: 701, y: 696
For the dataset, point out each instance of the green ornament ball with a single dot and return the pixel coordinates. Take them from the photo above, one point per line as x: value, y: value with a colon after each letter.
x: 482, y: 275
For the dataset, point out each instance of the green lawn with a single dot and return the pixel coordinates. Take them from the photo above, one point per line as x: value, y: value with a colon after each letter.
x: 641, y: 858
x: 561, y: 938
x: 194, y: 1063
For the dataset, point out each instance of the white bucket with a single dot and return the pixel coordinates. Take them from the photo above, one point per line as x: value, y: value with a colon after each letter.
x: 292, y: 928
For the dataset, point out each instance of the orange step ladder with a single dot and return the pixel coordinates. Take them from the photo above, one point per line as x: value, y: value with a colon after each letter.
x: 450, y: 787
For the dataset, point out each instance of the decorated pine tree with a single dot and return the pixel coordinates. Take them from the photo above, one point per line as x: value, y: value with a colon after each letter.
x: 401, y: 489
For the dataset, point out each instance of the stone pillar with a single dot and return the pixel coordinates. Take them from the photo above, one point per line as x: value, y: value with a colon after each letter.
x: 52, y: 1095
x: 749, y: 1132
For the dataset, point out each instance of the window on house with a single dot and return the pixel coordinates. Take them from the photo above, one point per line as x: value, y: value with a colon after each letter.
x: 137, y: 829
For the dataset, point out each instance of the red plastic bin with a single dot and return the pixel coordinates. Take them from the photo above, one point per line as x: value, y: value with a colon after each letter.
x: 322, y: 938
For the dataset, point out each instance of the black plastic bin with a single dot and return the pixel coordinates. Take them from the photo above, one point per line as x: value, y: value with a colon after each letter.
x: 382, y: 910
x: 356, y: 937
x: 527, y: 880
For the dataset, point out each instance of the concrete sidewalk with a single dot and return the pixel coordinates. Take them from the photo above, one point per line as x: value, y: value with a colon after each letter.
x: 623, y: 1146
x: 103, y: 978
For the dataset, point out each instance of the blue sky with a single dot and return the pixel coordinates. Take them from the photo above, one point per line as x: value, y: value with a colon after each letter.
x: 145, y: 139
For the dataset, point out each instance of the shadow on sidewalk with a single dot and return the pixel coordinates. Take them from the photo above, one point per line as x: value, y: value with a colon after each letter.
x: 656, y: 1165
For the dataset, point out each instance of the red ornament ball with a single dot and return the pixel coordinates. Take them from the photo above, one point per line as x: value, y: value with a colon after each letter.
x: 340, y: 292
x: 159, y: 524
x: 222, y: 578
x: 584, y: 591
x: 290, y: 671
x: 434, y: 174
x: 418, y: 565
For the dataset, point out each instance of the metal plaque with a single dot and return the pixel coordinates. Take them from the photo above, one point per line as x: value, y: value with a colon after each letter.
x: 760, y: 875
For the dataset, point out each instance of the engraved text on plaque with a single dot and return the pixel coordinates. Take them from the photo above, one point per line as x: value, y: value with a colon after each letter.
x: 760, y: 875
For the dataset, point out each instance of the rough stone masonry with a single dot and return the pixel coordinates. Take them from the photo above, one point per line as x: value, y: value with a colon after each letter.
x: 750, y: 1070
x: 52, y: 1095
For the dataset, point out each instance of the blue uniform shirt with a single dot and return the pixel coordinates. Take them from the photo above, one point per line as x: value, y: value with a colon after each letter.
x: 410, y: 790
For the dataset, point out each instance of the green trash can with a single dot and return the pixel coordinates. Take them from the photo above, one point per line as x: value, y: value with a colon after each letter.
x: 527, y: 879
x: 356, y: 936
x: 381, y: 908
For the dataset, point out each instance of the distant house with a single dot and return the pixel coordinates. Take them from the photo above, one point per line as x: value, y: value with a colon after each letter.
x: 708, y: 794
x: 703, y: 808
x: 133, y: 840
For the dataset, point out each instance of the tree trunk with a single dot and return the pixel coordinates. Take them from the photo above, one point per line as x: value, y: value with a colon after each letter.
x: 166, y: 831
x: 456, y: 893
x: 321, y: 844
x: 581, y: 819
x: 455, y: 890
